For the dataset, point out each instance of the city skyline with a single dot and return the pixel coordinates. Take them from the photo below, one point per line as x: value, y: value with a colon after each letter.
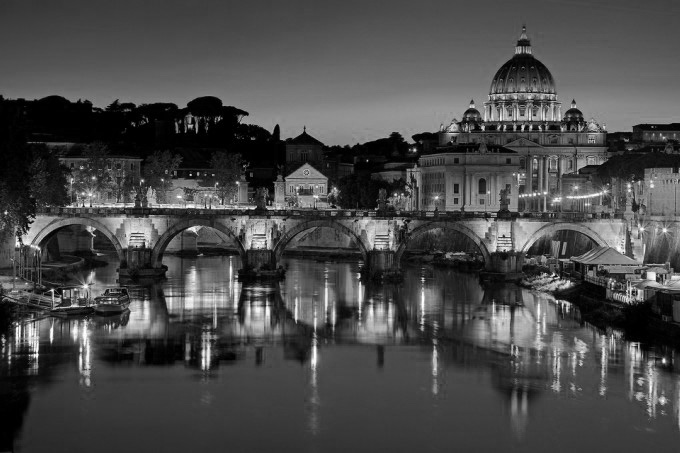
x: 348, y: 71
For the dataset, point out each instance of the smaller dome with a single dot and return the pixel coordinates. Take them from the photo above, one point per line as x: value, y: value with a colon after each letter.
x: 472, y: 114
x: 573, y: 114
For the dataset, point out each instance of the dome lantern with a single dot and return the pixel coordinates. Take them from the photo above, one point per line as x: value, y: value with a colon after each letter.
x: 523, y: 44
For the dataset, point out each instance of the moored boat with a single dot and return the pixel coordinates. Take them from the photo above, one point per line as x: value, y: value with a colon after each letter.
x: 113, y: 301
x: 74, y: 300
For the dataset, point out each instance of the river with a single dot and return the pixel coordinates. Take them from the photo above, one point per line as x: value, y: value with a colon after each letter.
x: 323, y: 363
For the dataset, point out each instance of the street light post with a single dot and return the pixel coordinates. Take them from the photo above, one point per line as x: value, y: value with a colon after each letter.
x: 71, y: 190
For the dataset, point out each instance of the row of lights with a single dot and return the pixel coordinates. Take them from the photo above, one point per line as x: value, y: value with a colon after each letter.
x: 532, y: 195
x: 590, y: 195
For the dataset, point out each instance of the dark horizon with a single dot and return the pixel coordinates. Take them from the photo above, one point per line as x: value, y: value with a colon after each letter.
x: 351, y: 72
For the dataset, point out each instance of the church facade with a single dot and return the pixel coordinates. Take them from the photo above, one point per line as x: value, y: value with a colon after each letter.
x: 522, y: 121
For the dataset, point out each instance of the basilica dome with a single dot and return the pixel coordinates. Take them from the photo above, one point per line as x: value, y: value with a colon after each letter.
x: 472, y: 114
x: 573, y: 114
x: 523, y: 73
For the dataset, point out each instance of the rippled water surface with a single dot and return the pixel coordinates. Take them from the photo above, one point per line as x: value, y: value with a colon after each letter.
x: 323, y: 362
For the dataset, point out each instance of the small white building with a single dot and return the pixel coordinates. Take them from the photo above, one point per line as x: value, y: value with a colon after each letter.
x: 307, y: 187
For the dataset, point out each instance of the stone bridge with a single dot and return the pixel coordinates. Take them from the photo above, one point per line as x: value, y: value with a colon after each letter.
x: 140, y: 236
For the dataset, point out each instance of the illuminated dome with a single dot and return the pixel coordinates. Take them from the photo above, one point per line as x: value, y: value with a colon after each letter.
x: 472, y: 114
x: 523, y: 92
x: 573, y: 114
x: 523, y: 73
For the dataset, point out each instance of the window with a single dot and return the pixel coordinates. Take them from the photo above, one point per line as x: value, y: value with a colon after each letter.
x: 455, y: 201
x: 571, y: 141
x: 508, y: 160
x: 570, y: 165
x: 456, y: 160
x: 304, y: 154
x: 591, y: 140
x: 456, y: 188
x: 553, y: 164
x: 481, y: 186
x: 481, y: 201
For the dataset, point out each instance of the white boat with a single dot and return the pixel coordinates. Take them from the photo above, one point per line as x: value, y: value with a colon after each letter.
x: 112, y: 301
x: 74, y: 300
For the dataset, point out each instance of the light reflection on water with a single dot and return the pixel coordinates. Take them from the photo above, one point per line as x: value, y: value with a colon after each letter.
x: 324, y: 361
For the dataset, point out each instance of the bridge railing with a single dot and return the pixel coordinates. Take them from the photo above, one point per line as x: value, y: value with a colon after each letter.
x: 105, y: 211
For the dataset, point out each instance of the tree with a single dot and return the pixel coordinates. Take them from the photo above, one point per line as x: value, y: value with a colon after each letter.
x: 17, y: 206
x: 48, y: 179
x: 158, y: 170
x: 93, y: 177
x: 360, y: 191
x: 227, y: 169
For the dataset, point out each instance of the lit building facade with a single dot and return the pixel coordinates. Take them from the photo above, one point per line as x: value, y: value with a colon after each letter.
x: 656, y: 133
x: 306, y: 187
x: 523, y: 115
x: 467, y: 177
x: 660, y: 192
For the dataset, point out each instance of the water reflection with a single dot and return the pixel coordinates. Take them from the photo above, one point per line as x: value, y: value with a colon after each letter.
x: 432, y: 332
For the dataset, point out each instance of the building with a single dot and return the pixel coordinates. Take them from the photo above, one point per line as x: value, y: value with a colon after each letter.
x: 660, y: 192
x: 306, y: 187
x: 656, y: 133
x: 467, y: 177
x: 523, y: 115
x: 303, y: 149
x: 121, y: 168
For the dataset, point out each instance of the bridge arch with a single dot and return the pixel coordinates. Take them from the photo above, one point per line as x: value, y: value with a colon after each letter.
x: 454, y: 226
x: 552, y: 228
x: 309, y: 224
x: 178, y: 227
x: 57, y: 224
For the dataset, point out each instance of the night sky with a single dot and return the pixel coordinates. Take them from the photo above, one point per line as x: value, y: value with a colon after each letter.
x: 351, y: 71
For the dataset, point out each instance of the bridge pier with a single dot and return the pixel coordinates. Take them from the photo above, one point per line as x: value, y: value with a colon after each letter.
x: 504, y: 266
x: 138, y: 266
x: 382, y: 264
x: 260, y: 259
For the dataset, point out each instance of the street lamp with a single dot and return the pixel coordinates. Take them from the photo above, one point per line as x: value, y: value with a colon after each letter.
x: 71, y: 190
x: 179, y: 197
x: 90, y: 196
x: 94, y: 183
x: 162, y: 188
x: 84, y: 198
x: 436, y: 202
